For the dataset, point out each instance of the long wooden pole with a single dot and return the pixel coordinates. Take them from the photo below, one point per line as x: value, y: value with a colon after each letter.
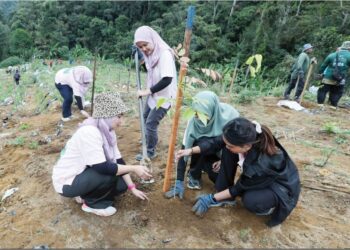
x: 308, y: 77
x: 179, y: 96
x: 233, y: 77
x: 93, y: 86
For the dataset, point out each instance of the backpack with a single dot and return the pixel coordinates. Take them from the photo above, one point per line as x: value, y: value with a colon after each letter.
x: 337, y: 75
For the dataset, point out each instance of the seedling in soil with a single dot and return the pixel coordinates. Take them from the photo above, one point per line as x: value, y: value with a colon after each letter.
x: 18, y: 141
x: 23, y: 126
x: 33, y: 145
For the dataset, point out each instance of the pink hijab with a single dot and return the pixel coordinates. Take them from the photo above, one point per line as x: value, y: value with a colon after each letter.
x: 108, y: 136
x: 83, y: 76
x: 149, y: 35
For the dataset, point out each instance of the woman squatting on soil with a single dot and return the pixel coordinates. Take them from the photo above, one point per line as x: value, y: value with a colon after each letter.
x: 269, y: 183
x: 73, y: 81
x: 90, y: 167
x: 217, y: 114
x: 161, y: 82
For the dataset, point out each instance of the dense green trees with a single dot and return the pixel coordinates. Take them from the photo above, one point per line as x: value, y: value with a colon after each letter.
x: 224, y: 30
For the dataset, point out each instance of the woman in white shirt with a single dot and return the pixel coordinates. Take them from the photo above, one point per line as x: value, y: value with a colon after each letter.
x: 161, y: 82
x: 90, y: 167
x: 73, y: 82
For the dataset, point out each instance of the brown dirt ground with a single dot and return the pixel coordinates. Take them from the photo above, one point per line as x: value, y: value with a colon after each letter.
x: 35, y: 215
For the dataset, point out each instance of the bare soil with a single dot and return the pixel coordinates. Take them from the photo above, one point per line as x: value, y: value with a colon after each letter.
x: 35, y: 215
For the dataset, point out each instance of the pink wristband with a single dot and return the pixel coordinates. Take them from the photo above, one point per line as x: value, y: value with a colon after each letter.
x: 131, y: 186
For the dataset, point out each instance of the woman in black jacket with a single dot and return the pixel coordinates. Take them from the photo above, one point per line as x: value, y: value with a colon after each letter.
x: 269, y: 182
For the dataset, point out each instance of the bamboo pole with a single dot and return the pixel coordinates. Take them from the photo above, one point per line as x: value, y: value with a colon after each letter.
x: 179, y: 96
x: 308, y: 77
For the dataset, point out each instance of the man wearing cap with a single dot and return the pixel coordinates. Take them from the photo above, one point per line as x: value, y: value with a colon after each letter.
x: 335, y: 65
x: 298, y: 72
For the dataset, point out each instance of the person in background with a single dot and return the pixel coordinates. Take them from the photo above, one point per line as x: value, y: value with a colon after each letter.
x: 17, y: 77
x: 269, y: 183
x: 71, y: 82
x: 90, y: 167
x: 206, y: 105
x: 298, y: 73
x: 161, y: 82
x: 334, y: 86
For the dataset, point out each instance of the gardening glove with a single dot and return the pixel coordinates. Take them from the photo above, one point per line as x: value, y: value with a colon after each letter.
x: 135, y: 49
x: 202, y: 204
x: 178, y: 189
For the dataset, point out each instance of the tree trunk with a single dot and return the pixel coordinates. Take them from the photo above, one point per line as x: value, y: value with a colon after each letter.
x: 297, y: 14
x: 216, y: 3
x: 234, y: 2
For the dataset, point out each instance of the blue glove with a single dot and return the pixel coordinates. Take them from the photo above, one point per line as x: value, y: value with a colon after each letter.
x: 203, y: 203
x: 178, y: 189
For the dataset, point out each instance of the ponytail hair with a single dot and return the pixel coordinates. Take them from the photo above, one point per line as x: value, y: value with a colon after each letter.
x: 266, y: 141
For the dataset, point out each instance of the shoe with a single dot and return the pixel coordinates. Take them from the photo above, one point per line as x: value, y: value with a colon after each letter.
x: 267, y: 212
x: 286, y: 97
x: 79, y: 200
x: 297, y: 99
x: 149, y: 181
x: 226, y: 203
x: 193, y: 183
x: 333, y: 107
x: 100, y: 212
x: 139, y: 157
x: 66, y: 119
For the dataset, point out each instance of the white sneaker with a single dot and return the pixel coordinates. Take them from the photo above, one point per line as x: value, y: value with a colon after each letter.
x: 79, y: 200
x: 100, y: 212
x: 66, y: 119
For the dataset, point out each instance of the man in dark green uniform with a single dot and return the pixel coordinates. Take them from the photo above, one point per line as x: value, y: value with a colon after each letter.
x: 334, y: 72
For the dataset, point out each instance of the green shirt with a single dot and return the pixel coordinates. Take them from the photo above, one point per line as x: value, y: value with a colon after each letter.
x: 329, y: 63
x: 301, y: 64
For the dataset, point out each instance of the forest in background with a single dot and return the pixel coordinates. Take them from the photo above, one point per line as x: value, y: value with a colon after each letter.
x: 224, y: 31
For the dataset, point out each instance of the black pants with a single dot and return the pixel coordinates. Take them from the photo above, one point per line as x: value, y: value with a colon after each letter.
x: 198, y: 164
x: 255, y: 200
x: 335, y: 93
x: 67, y: 95
x: 291, y: 86
x: 97, y: 190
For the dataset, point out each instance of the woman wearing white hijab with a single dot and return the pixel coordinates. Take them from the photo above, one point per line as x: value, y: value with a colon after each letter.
x: 161, y: 82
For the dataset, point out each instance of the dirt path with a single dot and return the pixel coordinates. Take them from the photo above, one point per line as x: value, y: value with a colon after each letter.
x: 36, y: 215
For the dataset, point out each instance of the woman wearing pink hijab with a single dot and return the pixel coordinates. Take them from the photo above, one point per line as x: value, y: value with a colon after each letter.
x: 73, y: 81
x: 161, y: 82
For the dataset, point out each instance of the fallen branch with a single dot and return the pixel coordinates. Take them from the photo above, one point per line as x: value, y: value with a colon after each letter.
x: 326, y: 189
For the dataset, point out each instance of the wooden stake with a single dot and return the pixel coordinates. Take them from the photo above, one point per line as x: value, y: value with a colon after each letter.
x: 93, y: 85
x: 179, y: 96
x: 309, y: 72
x: 234, y: 74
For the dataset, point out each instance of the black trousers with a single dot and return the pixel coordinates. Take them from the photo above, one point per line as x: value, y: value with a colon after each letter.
x: 335, y: 93
x: 198, y: 164
x: 97, y: 190
x: 291, y: 86
x: 255, y: 200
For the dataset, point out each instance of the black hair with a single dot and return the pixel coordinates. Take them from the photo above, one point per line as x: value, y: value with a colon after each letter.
x: 240, y: 131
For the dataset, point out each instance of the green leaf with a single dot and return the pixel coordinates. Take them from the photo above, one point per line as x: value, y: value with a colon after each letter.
x: 188, y: 113
x: 161, y: 101
x: 203, y: 118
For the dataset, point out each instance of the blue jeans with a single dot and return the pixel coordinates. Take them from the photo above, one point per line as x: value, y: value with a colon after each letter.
x: 152, y: 118
x: 67, y: 95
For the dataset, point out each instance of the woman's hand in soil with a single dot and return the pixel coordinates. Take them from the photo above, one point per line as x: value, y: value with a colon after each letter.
x: 139, y: 194
x: 142, y: 172
x: 182, y: 153
x: 216, y: 166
